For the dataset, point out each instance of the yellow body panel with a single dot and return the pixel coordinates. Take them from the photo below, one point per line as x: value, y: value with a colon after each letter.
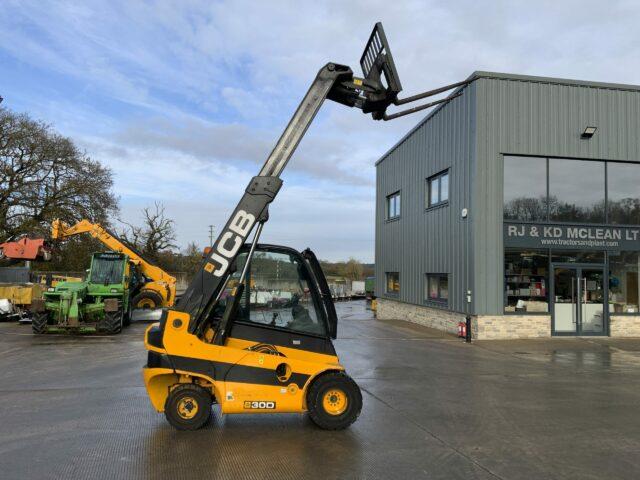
x: 254, y: 398
x: 158, y: 381
x: 267, y: 393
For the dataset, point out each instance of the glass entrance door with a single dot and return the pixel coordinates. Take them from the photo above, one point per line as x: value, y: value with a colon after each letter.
x: 591, y: 302
x: 578, y: 300
x: 565, y: 301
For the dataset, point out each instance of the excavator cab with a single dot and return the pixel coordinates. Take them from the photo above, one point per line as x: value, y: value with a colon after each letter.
x: 253, y: 330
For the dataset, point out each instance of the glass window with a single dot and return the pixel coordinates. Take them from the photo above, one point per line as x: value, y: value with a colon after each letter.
x: 107, y: 268
x: 525, y: 188
x: 434, y: 191
x: 392, y: 282
x: 624, y: 288
x: 576, y: 191
x: 526, y: 277
x: 437, y: 286
x: 558, y: 256
x: 277, y: 294
x: 393, y: 205
x: 438, y: 189
x: 624, y: 193
x: 444, y: 187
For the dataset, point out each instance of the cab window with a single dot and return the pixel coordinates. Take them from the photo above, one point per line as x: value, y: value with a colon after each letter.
x: 277, y: 293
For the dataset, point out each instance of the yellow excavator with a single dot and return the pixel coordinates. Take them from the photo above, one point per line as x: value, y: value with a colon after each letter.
x: 158, y: 288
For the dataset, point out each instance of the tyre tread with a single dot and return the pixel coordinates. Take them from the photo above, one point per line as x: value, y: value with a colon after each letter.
x: 39, y: 323
x: 111, y: 323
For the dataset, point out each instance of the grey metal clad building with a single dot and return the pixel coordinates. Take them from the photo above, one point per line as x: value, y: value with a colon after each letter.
x: 518, y: 203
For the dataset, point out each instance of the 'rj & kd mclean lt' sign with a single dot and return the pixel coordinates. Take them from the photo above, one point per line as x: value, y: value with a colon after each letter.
x: 571, y: 237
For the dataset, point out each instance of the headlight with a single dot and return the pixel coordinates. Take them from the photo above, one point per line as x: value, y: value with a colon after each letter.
x: 114, y: 290
x: 51, y: 289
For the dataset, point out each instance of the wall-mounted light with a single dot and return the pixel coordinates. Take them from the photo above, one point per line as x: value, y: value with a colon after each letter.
x: 588, y: 132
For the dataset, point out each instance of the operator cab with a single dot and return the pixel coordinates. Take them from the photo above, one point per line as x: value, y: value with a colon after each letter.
x: 108, y: 268
x: 283, y: 301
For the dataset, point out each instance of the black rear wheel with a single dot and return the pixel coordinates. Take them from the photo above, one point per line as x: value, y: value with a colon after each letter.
x: 39, y: 323
x: 111, y: 323
x: 188, y: 407
x: 334, y: 401
x: 147, y: 299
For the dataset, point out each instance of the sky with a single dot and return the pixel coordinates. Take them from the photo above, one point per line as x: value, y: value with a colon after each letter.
x: 184, y: 100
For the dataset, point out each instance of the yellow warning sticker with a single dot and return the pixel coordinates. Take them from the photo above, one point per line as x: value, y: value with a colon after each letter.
x: 209, y: 267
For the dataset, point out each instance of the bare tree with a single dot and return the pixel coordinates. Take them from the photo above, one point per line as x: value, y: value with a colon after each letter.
x: 44, y: 176
x: 155, y: 235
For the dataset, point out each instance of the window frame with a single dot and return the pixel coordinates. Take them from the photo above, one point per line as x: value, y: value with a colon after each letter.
x: 311, y: 284
x: 547, y: 279
x: 547, y: 219
x: 608, y: 269
x: 439, y: 301
x: 608, y: 189
x: 386, y: 284
x: 604, y: 186
x: 389, y: 198
x: 429, y: 186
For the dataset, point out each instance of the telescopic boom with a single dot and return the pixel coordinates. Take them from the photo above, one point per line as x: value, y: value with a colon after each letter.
x: 373, y: 93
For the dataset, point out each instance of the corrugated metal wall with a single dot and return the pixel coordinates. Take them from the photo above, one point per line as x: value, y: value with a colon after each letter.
x: 538, y: 118
x: 497, y: 114
x: 428, y: 241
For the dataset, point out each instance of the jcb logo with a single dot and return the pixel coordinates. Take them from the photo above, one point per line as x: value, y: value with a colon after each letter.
x: 260, y: 405
x: 230, y: 242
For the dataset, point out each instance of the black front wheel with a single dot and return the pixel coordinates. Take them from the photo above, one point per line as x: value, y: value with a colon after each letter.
x: 188, y: 407
x: 334, y: 401
x: 112, y: 322
x: 39, y: 322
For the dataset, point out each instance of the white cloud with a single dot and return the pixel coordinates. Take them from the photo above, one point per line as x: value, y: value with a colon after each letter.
x: 184, y: 100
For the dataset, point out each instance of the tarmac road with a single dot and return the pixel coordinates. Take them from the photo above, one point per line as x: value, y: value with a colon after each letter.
x: 434, y: 407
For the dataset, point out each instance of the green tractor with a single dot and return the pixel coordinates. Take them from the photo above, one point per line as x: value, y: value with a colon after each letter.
x: 101, y: 302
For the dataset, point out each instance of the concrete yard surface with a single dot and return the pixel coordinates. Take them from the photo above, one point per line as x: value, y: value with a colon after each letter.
x: 434, y: 407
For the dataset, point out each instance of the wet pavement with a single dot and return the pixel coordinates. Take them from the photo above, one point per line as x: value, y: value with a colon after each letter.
x: 434, y: 407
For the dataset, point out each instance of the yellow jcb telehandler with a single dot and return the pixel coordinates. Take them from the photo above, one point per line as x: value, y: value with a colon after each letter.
x: 253, y: 332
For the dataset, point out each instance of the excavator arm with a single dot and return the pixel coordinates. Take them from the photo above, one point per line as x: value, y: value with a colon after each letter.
x: 60, y: 231
x: 373, y: 93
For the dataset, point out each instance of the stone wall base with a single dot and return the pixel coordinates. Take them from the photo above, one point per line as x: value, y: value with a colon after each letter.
x: 624, y: 325
x: 429, y: 317
x: 488, y: 327
x: 482, y: 327
x: 492, y: 327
